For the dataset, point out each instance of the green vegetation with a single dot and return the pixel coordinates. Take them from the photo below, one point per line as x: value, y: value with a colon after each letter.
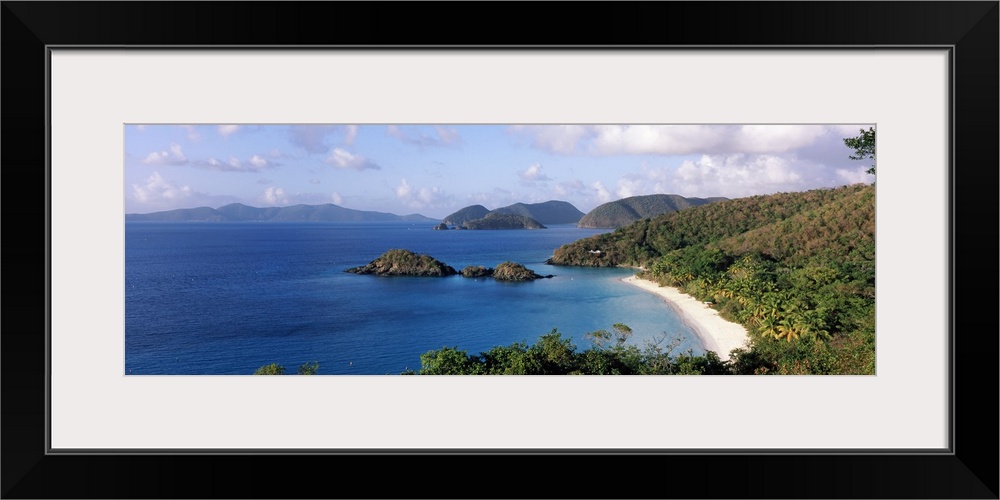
x: 863, y: 146
x: 554, y: 355
x: 641, y: 243
x: 512, y: 271
x: 628, y: 210
x: 399, y: 262
x: 530, y: 216
x: 796, y: 269
x: 497, y: 220
x: 477, y: 272
x: 309, y: 368
x: 549, y: 212
x: 277, y: 369
x: 466, y: 214
x: 271, y: 369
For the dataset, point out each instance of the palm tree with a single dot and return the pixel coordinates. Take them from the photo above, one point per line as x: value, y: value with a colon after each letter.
x: 769, y: 326
x: 813, y: 324
x: 787, y: 329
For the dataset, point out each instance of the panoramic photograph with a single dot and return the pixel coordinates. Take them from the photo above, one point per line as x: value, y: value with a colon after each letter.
x: 499, y: 249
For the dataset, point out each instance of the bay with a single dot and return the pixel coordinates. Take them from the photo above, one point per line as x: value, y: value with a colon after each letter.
x: 227, y: 298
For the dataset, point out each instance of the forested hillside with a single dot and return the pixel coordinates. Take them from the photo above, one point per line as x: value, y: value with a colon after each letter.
x: 549, y: 212
x: 797, y: 269
x: 497, y: 220
x: 625, y: 211
x: 466, y: 214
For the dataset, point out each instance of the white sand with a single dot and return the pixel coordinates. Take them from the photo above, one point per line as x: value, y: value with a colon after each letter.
x: 716, y: 333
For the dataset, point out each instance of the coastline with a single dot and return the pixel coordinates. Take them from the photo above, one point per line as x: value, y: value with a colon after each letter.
x: 716, y: 333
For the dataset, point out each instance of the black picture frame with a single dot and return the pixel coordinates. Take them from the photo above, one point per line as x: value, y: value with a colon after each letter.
x: 970, y: 470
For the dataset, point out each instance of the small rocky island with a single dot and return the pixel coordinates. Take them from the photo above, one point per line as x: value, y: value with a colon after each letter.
x: 477, y: 272
x: 512, y: 271
x: 399, y: 262
x: 505, y: 271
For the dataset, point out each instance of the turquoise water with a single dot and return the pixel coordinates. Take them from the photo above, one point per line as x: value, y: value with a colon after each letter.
x: 227, y: 298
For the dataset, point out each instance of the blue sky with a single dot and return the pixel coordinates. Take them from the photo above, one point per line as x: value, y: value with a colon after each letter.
x: 435, y: 170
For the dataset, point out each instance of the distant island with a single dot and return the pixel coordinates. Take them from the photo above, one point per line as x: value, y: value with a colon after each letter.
x: 496, y: 220
x: 238, y: 212
x: 401, y: 262
x: 516, y: 216
x: 549, y: 212
x: 625, y: 211
x: 466, y: 214
x: 613, y: 214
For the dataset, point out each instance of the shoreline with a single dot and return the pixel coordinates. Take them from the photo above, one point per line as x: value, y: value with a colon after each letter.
x: 716, y: 333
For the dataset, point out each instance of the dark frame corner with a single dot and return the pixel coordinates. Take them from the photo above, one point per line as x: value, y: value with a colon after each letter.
x: 29, y: 29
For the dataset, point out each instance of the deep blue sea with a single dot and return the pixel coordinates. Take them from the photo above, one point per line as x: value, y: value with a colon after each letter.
x: 227, y: 298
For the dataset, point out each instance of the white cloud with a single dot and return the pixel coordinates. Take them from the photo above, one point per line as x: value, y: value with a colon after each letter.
x: 498, y: 197
x: 157, y: 191
x: 274, y: 196
x: 554, y: 138
x: 403, y: 190
x: 258, y: 162
x: 855, y: 176
x: 737, y: 175
x: 447, y: 136
x: 422, y: 197
x: 533, y: 174
x: 653, y: 139
x: 849, y: 130
x: 629, y: 187
x: 602, y: 192
x: 350, y: 134
x: 569, y: 188
x: 775, y: 138
x: 175, y: 156
x: 227, y: 130
x: 192, y: 133
x: 441, y: 136
x: 176, y: 152
x: 336, y: 198
x: 675, y: 139
x: 343, y: 159
x: 311, y: 138
x: 648, y: 181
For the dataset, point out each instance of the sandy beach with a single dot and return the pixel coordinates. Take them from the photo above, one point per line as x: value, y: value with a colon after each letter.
x: 716, y: 333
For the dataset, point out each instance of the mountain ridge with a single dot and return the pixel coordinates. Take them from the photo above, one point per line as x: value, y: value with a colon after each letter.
x: 239, y: 212
x: 546, y: 212
x: 625, y: 211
